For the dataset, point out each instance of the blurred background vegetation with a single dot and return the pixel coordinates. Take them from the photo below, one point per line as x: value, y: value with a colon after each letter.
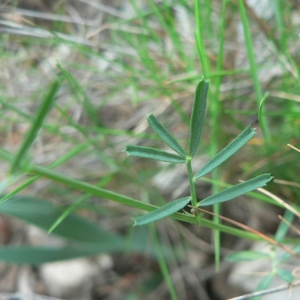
x: 116, y: 61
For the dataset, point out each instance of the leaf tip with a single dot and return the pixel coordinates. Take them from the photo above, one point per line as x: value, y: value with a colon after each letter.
x: 124, y: 150
x: 134, y: 222
x: 149, y: 115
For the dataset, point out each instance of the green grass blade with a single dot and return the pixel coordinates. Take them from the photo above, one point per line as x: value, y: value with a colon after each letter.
x: 287, y: 255
x: 285, y: 275
x: 205, y: 64
x: 250, y: 51
x: 43, y: 214
x: 36, y: 125
x: 152, y: 153
x: 66, y: 213
x: 284, y: 227
x: 252, y: 62
x: 162, y: 212
x: 40, y: 255
x: 165, y: 135
x: 247, y: 255
x: 261, y: 117
x: 214, y: 107
x: 220, y: 61
x: 76, y: 150
x: 228, y: 151
x: 74, y: 205
x: 237, y: 190
x: 280, y: 17
x: 80, y: 94
x: 197, y: 117
x: 264, y: 284
x: 163, y: 266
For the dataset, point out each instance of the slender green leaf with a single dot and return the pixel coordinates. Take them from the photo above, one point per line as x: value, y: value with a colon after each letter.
x: 165, y: 135
x: 162, y: 212
x: 246, y: 256
x: 40, y: 255
x: 287, y: 255
x: 237, y: 190
x: 76, y: 203
x: 36, y: 125
x: 253, y: 65
x: 163, y: 265
x: 43, y: 214
x: 262, y: 117
x: 79, y: 92
x: 285, y: 275
x: 152, y: 153
x: 59, y: 161
x: 197, y: 117
x: 264, y: 284
x: 284, y: 227
x: 67, y: 212
x: 228, y: 151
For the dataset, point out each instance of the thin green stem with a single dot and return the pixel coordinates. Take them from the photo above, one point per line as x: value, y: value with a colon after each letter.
x: 163, y: 265
x: 103, y: 193
x: 192, y: 181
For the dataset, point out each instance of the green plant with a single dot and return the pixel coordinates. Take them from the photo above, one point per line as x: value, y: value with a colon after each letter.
x: 159, y: 50
x: 195, y: 129
x: 275, y: 260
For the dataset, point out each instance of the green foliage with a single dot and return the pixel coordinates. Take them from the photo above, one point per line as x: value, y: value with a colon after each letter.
x: 276, y: 261
x: 163, y: 211
x: 43, y: 214
x: 246, y: 256
x: 285, y: 275
x: 197, y: 117
x: 196, y: 124
x: 229, y: 150
x: 237, y: 190
x: 160, y: 52
x: 152, y: 153
x: 165, y: 135
x: 84, y: 237
x: 41, y: 114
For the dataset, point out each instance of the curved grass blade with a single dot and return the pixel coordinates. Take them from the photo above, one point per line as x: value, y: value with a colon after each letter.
x: 237, y: 190
x: 228, y: 151
x: 36, y: 125
x: 165, y: 135
x: 162, y: 212
x: 152, y: 153
x: 197, y: 117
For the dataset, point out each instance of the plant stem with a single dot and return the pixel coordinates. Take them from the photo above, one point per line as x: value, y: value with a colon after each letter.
x: 191, y: 180
x: 192, y: 184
